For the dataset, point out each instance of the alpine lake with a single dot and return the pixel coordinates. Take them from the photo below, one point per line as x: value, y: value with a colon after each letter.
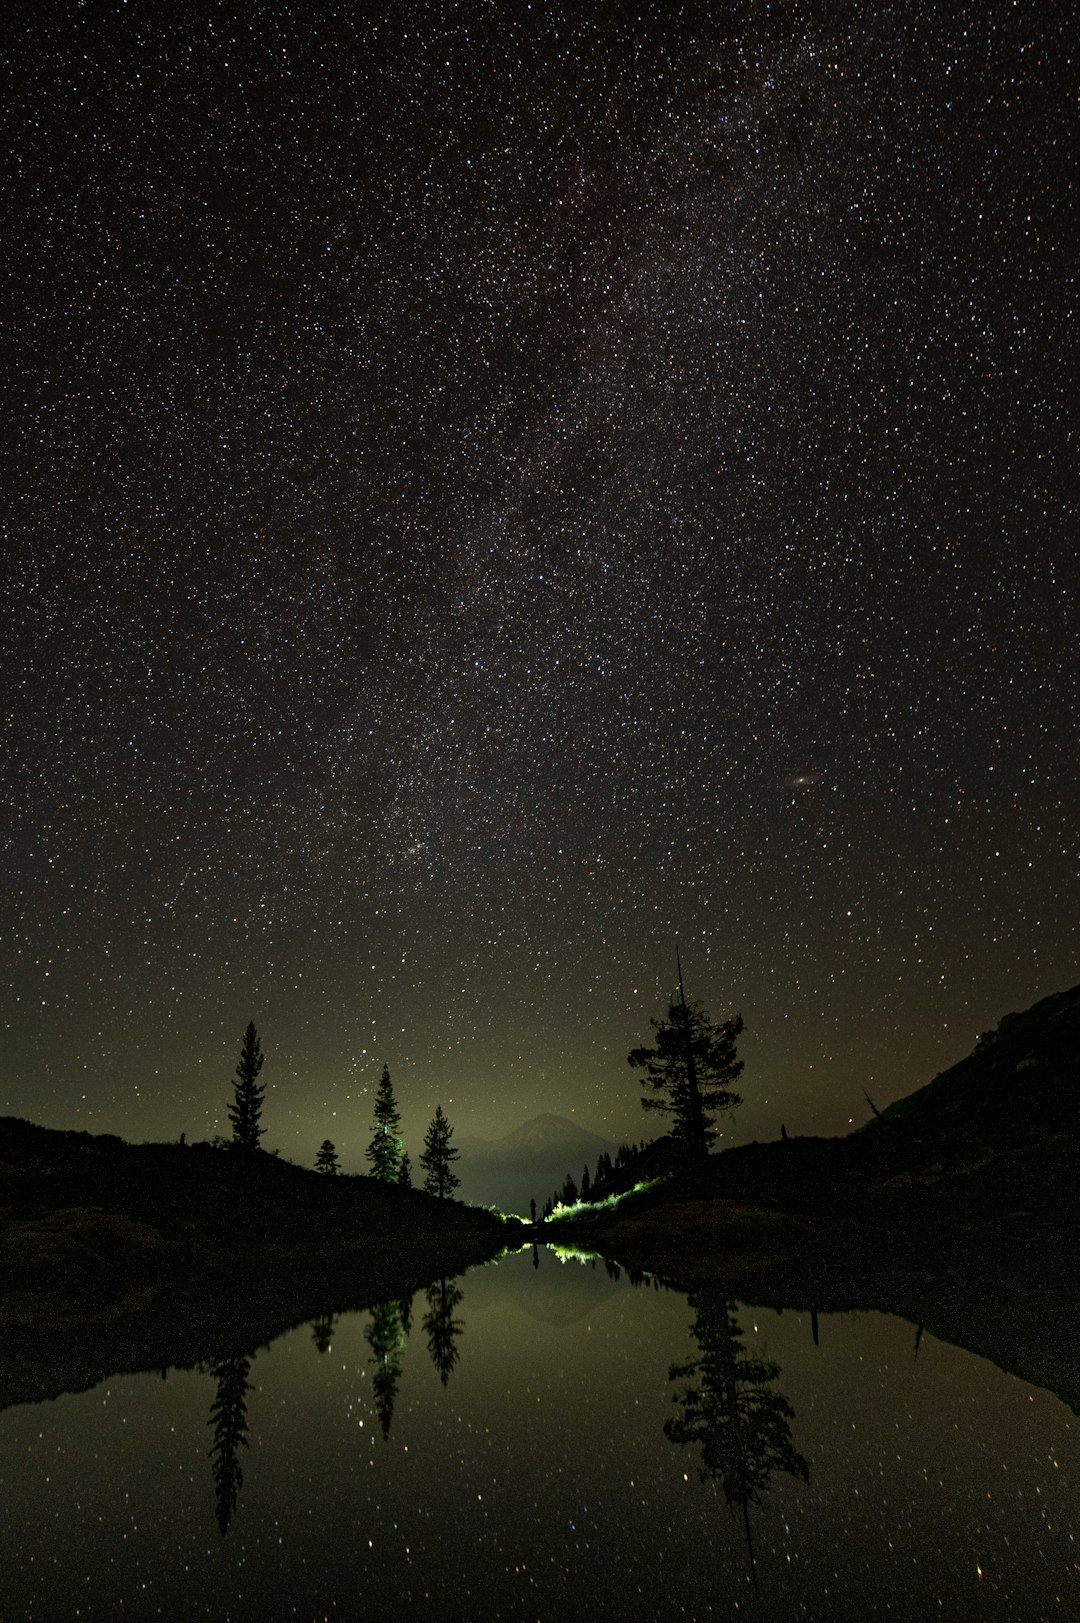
x: 544, y: 1437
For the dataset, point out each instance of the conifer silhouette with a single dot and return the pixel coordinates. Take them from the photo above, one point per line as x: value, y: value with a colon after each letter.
x: 248, y: 1092
x: 438, y: 1157
x: 726, y: 1408
x: 689, y: 1069
x: 385, y: 1150
x: 327, y: 1158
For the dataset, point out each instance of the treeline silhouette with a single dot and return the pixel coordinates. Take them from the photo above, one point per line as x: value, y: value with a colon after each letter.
x: 688, y: 1072
x: 385, y: 1152
x: 613, y: 1176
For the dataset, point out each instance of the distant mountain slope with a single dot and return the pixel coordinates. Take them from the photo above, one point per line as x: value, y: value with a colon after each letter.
x: 529, y: 1163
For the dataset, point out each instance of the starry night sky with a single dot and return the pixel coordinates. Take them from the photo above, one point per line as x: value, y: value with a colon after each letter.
x: 495, y: 487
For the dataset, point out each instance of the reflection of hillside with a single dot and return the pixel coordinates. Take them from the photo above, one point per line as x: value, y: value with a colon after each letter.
x: 556, y: 1293
x: 1046, y: 1353
x: 1028, y: 1326
x: 1017, y: 1305
x: 1022, y: 1313
x: 194, y: 1327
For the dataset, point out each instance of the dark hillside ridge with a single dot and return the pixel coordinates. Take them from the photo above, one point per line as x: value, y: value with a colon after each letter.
x: 90, y: 1225
x: 978, y: 1167
x: 958, y: 1207
x: 1023, y: 1077
x: 1001, y: 1125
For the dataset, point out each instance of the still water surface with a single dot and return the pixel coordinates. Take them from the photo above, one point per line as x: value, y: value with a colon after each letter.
x: 513, y: 1445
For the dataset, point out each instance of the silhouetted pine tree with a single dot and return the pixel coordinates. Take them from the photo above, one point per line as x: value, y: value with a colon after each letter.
x: 327, y: 1158
x: 689, y: 1069
x: 248, y: 1092
x: 438, y: 1157
x: 228, y: 1416
x: 404, y: 1176
x: 586, y: 1183
x: 569, y: 1191
x: 384, y: 1151
x: 440, y: 1326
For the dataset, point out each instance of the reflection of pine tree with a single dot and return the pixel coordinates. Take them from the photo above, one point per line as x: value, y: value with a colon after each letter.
x: 441, y: 1327
x: 740, y: 1426
x: 386, y: 1338
x: 228, y: 1416
x: 322, y: 1331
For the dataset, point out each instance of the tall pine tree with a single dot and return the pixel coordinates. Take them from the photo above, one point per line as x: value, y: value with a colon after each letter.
x: 248, y: 1092
x: 438, y: 1157
x: 690, y: 1069
x: 384, y: 1151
